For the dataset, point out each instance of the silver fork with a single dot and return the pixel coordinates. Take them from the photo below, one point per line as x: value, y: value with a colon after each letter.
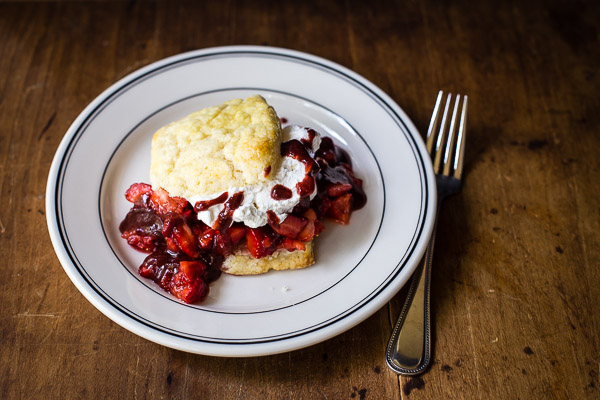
x: 409, y: 348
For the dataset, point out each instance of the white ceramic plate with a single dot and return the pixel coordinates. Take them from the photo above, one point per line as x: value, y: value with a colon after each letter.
x: 359, y: 267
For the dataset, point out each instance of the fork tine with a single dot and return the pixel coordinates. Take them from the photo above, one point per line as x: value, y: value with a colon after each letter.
x: 462, y: 132
x: 449, y: 148
x: 441, y: 137
x: 435, y: 118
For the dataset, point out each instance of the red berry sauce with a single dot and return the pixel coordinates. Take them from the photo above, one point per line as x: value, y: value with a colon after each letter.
x: 280, y: 192
x: 225, y: 217
x: 204, y: 205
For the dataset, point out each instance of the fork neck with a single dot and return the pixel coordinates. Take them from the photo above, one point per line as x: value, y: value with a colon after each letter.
x: 446, y: 185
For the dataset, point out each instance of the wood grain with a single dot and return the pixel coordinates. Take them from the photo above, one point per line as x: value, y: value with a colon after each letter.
x: 517, y: 272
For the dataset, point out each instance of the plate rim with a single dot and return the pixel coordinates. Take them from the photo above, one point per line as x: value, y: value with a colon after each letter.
x: 250, y: 349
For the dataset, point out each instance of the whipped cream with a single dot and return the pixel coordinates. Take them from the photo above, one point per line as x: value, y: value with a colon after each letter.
x: 257, y: 198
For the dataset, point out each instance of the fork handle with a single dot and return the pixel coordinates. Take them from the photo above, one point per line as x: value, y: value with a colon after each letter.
x: 409, y: 348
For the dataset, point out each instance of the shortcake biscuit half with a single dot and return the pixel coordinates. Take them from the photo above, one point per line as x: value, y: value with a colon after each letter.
x: 240, y: 263
x: 234, y: 144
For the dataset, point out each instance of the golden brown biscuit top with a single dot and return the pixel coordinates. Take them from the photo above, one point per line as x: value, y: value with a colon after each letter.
x: 234, y: 144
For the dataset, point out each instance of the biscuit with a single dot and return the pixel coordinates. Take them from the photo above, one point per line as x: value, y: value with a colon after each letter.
x: 240, y: 263
x: 234, y: 144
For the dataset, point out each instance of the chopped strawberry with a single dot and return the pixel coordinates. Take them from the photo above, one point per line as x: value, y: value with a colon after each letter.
x: 302, y: 205
x: 164, y: 204
x: 321, y: 204
x: 172, y: 245
x: 290, y: 227
x: 179, y: 235
x: 236, y: 233
x: 142, y: 228
x: 205, y: 240
x: 146, y: 244
x: 222, y: 243
x: 319, y: 227
x: 198, y: 227
x: 359, y: 198
x: 146, y: 271
x: 312, y: 228
x: 292, y: 245
x: 272, y: 218
x: 338, y: 189
x: 308, y: 233
x: 260, y: 241
x: 310, y: 214
x: 340, y: 209
x: 188, y: 283
x: 161, y: 276
x: 137, y: 191
x: 165, y: 280
x: 185, y: 239
x: 159, y: 266
x: 192, y: 269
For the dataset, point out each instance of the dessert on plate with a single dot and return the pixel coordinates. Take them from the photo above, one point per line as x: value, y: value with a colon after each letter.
x: 231, y: 191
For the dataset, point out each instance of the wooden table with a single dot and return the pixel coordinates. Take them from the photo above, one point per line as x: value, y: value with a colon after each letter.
x: 516, y: 286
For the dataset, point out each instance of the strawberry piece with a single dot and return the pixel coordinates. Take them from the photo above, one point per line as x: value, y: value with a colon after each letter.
x: 260, y: 241
x: 272, y: 218
x: 342, y: 174
x: 146, y: 271
x: 319, y: 227
x: 136, y: 193
x: 290, y: 227
x: 236, y: 233
x: 141, y: 228
x: 222, y: 243
x: 164, y: 204
x: 205, y: 240
x: 188, y: 283
x: 310, y: 214
x: 302, y: 206
x: 312, y: 228
x: 192, y: 268
x: 338, y: 189
x: 162, y: 276
x: 172, y: 245
x: 179, y: 236
x: 340, y: 209
x: 321, y: 204
x: 146, y: 244
x: 166, y: 278
x: 159, y: 266
x: 292, y: 245
x: 185, y: 239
